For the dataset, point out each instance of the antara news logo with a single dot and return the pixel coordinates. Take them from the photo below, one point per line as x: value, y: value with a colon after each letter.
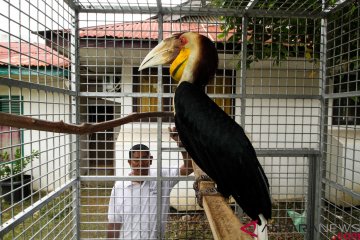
x: 342, y: 231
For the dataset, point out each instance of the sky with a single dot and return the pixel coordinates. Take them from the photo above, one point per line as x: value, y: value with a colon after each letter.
x: 21, y: 17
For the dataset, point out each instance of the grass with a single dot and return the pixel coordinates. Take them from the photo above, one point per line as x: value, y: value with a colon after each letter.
x: 52, y: 221
x: 191, y: 225
x: 57, y: 219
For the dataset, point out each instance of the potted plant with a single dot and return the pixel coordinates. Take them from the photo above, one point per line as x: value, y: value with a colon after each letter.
x: 15, y: 185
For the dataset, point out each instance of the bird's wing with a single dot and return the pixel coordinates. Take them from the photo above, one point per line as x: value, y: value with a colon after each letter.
x: 221, y: 149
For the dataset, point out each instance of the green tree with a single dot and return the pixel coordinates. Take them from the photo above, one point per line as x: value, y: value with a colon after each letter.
x: 15, y: 167
x: 278, y: 38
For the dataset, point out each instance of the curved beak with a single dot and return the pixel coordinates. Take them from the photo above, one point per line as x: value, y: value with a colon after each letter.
x: 165, y: 52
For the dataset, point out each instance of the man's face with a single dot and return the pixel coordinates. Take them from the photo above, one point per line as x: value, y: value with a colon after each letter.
x: 140, y: 163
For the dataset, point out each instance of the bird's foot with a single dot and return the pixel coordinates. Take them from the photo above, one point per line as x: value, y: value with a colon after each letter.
x: 204, y: 178
x: 209, y: 191
x: 205, y: 192
x: 199, y: 179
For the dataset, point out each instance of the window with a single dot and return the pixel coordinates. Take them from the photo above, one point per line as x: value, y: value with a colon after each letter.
x: 346, y: 110
x: 223, y: 84
x: 111, y: 83
x: 10, y: 136
x: 146, y: 84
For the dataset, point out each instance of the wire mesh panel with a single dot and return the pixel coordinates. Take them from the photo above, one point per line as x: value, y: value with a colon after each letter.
x: 341, y: 199
x: 287, y: 73
x: 111, y: 86
x: 277, y: 102
x: 37, y: 172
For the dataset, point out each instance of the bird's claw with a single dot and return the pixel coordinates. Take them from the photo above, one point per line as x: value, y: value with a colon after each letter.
x: 199, y: 179
x: 204, y: 178
x: 206, y: 192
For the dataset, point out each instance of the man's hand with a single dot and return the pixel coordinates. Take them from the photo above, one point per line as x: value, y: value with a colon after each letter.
x: 114, y: 230
x: 185, y: 169
x: 175, y: 136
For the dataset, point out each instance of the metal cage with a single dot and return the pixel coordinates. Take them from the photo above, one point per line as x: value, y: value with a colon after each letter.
x: 288, y: 74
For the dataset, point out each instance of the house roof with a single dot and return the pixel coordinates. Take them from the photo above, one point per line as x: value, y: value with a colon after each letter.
x: 30, y: 54
x: 149, y: 30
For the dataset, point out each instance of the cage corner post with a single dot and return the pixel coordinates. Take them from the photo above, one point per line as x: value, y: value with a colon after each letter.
x: 316, y: 163
x: 314, y: 199
x: 75, y: 86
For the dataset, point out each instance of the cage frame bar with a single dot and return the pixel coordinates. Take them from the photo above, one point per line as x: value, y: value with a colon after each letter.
x: 247, y: 95
x: 323, y: 129
x: 159, y: 180
x: 243, y: 70
x: 313, y: 204
x: 75, y: 63
x: 316, y: 158
x: 40, y: 87
x: 341, y: 188
x: 342, y: 95
x: 203, y: 12
x: 19, y: 218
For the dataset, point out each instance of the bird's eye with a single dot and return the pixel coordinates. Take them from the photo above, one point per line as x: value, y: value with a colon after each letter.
x: 183, y: 40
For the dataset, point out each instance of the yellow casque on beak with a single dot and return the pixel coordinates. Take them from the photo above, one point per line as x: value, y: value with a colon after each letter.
x: 165, y: 52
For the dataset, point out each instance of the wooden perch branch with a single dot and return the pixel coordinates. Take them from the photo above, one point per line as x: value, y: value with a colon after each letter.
x: 18, y: 121
x: 223, y: 222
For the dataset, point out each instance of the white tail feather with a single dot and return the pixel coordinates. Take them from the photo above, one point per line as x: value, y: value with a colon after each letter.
x: 261, y: 230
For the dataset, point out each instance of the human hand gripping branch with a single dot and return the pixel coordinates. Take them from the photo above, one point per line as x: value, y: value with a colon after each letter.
x: 186, y: 168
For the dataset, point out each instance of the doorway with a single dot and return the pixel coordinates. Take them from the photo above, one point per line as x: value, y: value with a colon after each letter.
x: 101, y: 144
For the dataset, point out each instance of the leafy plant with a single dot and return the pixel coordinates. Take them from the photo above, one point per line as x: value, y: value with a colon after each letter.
x: 278, y: 38
x: 15, y: 167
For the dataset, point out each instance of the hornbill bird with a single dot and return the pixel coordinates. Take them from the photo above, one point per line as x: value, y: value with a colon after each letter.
x: 217, y: 144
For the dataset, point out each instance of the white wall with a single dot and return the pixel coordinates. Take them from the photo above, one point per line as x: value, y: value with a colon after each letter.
x: 52, y: 168
x: 343, y: 166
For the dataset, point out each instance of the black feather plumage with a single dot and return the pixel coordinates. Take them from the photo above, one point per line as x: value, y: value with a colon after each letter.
x: 221, y: 149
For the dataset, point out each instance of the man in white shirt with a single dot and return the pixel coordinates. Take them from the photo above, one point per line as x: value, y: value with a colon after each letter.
x: 132, y: 212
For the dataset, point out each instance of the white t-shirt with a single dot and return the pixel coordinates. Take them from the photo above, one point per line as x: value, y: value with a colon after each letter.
x: 135, y: 206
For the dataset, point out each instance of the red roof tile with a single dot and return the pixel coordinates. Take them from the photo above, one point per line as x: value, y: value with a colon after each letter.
x: 149, y: 30
x: 30, y: 54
